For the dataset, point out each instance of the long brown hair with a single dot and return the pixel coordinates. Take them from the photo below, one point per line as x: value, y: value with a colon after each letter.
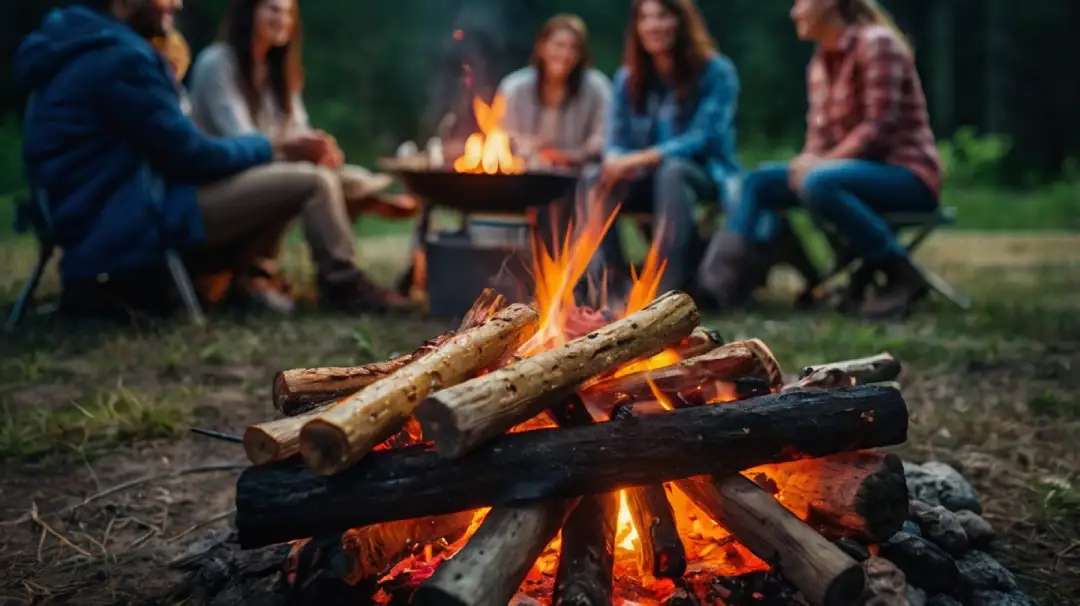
x: 574, y: 25
x: 692, y: 51
x: 284, y: 67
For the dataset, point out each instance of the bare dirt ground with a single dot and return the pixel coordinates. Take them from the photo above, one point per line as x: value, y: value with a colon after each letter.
x: 103, y: 487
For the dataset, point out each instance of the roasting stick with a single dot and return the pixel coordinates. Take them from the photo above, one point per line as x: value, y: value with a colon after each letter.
x: 286, y: 500
x: 299, y: 390
x: 341, y: 436
x: 461, y: 418
x: 823, y: 573
x: 280, y: 439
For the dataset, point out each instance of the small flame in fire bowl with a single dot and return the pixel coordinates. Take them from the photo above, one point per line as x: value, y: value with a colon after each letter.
x: 488, y: 151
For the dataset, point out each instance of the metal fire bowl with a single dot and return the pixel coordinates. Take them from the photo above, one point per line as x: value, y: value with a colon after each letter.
x: 474, y: 193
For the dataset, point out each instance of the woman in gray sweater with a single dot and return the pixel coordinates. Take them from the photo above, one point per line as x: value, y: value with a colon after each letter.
x: 557, y: 106
x: 251, y: 80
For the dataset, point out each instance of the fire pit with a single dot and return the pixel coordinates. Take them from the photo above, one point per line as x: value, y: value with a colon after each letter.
x: 485, y: 179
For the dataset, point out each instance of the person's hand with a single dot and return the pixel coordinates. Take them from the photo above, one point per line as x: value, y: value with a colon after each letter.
x: 303, y: 147
x: 616, y: 169
x: 799, y: 168
x: 334, y: 157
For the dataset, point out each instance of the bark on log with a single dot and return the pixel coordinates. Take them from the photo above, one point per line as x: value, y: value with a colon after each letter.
x: 859, y: 495
x: 587, y: 557
x: 300, y: 390
x: 493, y: 563
x: 463, y: 417
x: 286, y: 500
x: 339, y: 437
x: 824, y: 574
x: 660, y: 550
x: 687, y: 381
x: 874, y: 369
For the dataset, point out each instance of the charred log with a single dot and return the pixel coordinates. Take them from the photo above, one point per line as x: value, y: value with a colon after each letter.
x: 284, y: 501
x: 824, y: 574
x: 587, y: 556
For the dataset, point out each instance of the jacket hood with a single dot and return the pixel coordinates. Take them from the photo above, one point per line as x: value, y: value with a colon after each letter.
x: 65, y: 35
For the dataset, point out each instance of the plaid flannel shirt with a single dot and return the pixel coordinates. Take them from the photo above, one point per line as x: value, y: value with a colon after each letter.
x: 869, y: 89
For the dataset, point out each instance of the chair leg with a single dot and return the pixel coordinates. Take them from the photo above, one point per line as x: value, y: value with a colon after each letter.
x: 26, y: 295
x: 939, y: 284
x: 182, y: 280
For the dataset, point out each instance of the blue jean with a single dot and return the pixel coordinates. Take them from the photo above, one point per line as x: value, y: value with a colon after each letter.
x: 670, y: 192
x: 849, y: 194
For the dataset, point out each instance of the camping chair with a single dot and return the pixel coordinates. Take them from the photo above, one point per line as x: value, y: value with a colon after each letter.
x: 33, y: 215
x: 862, y: 275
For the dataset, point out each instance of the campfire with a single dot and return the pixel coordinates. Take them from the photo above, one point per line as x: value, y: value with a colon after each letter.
x: 488, y: 151
x: 553, y: 453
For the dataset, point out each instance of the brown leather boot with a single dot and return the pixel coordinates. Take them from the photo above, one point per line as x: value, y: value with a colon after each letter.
x: 905, y: 287
x: 363, y: 295
x: 729, y: 270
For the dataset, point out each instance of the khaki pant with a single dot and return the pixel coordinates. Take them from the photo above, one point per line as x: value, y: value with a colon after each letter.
x: 248, y: 215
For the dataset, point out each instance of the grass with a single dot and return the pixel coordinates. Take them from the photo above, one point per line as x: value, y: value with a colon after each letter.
x: 992, y: 391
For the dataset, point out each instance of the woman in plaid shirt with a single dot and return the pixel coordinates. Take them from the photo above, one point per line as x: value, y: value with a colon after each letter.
x: 869, y: 149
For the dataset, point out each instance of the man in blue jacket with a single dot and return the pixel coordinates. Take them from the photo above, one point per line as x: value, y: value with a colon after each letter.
x: 127, y: 174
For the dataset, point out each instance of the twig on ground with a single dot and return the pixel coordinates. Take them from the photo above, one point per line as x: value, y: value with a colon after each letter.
x: 190, y: 529
x: 135, y: 484
x: 36, y: 517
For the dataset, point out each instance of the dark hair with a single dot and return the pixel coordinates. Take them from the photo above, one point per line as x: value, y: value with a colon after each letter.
x: 576, y: 26
x: 98, y: 5
x: 285, y: 70
x: 692, y: 51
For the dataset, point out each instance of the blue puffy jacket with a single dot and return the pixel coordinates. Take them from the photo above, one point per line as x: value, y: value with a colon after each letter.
x: 106, y: 140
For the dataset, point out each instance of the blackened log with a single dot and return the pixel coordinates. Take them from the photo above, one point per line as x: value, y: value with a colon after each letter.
x: 286, y: 500
x: 587, y: 556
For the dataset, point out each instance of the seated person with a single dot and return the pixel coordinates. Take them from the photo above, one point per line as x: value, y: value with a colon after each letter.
x: 556, y: 107
x: 672, y: 136
x: 869, y: 149
x: 127, y: 174
x: 251, y: 81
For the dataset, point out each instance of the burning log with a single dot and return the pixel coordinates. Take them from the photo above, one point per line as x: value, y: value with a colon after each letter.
x: 339, y: 437
x: 660, y: 552
x: 374, y: 549
x: 493, y: 563
x: 700, y: 342
x: 875, y: 369
x: 587, y: 557
x: 860, y: 495
x: 461, y: 418
x: 303, y: 389
x: 689, y: 381
x: 824, y: 574
x: 285, y: 500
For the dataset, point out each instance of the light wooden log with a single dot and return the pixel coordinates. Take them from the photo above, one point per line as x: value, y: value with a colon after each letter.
x: 825, y: 575
x: 339, y: 437
x: 300, y: 390
x: 874, y: 369
x: 461, y: 418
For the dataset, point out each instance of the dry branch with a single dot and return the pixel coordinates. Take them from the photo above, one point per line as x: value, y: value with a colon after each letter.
x: 339, y: 437
x: 463, y: 417
x: 286, y: 500
x: 824, y: 574
x: 874, y: 369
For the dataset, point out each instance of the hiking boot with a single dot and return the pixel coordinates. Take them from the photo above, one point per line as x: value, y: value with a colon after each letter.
x: 362, y: 295
x: 905, y: 286
x: 730, y: 270
x: 266, y: 292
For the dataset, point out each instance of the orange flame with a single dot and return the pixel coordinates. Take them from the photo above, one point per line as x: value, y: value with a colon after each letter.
x: 488, y: 152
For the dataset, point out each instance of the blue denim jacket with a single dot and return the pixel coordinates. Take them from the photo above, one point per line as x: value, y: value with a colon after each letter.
x: 701, y: 130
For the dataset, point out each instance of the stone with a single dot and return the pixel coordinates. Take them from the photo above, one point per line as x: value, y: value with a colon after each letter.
x: 915, y: 596
x: 911, y: 527
x: 980, y: 532
x: 940, y: 526
x: 926, y: 565
x: 943, y: 599
x: 1001, y: 598
x: 885, y: 584
x: 983, y: 572
x: 853, y: 548
x: 938, y: 483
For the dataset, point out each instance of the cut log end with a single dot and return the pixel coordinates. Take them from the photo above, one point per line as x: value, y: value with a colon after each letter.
x: 261, y: 447
x: 324, y: 447
x: 881, y: 497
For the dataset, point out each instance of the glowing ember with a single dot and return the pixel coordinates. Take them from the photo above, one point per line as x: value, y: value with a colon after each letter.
x: 488, y: 152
